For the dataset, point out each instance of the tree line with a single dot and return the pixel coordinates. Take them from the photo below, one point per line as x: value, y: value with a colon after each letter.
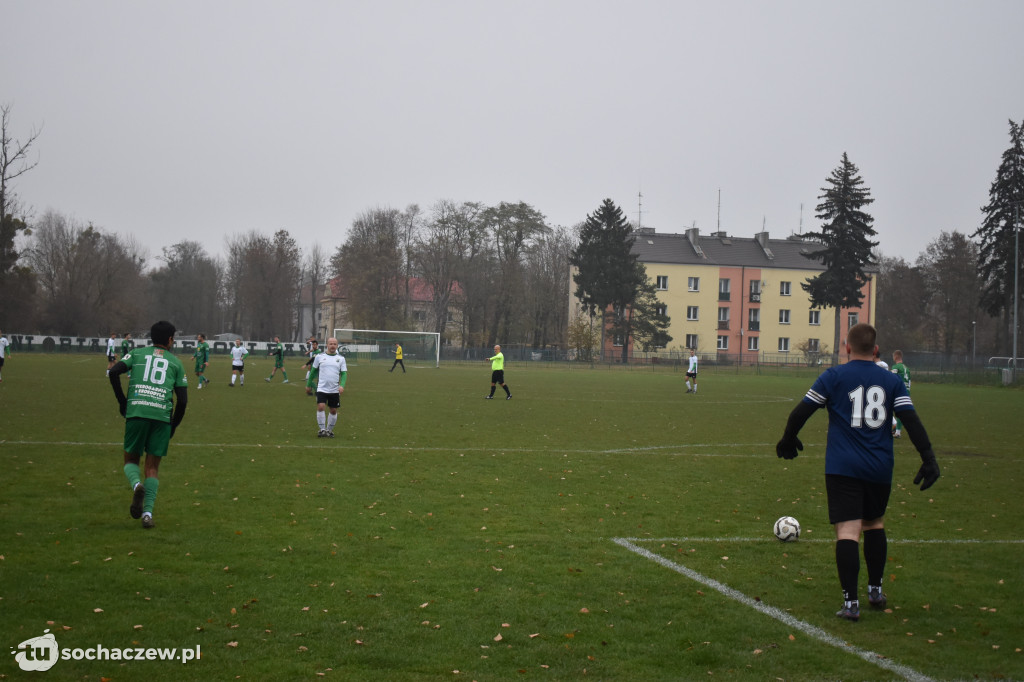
x: 489, y: 273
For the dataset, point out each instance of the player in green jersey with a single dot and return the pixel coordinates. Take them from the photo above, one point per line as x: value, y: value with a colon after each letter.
x: 901, y: 370
x: 498, y: 374
x: 126, y: 345
x: 153, y: 409
x: 313, y: 375
x: 277, y: 350
x: 202, y: 358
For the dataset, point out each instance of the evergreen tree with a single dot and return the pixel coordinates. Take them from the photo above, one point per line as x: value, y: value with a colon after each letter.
x: 642, y: 320
x: 996, y: 255
x: 606, y: 269
x: 846, y: 245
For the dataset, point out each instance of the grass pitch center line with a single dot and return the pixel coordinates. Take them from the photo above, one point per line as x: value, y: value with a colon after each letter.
x: 399, y: 448
x: 810, y: 630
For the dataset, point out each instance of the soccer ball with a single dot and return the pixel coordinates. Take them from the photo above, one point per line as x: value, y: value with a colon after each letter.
x: 787, y: 529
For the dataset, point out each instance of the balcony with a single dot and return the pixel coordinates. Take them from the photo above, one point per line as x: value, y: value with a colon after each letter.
x: 723, y: 324
x: 754, y: 326
x: 723, y: 296
x: 755, y: 298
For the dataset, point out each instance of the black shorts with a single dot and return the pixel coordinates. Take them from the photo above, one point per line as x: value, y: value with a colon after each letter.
x: 111, y: 357
x: 498, y: 376
x: 330, y: 399
x: 238, y: 368
x: 850, y: 498
x: 692, y: 375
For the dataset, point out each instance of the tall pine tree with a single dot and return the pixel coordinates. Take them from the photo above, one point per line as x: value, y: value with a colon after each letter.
x: 996, y: 255
x: 845, y: 239
x: 606, y: 269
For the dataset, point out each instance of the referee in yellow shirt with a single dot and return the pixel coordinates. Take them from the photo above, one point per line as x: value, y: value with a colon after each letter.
x: 398, y: 358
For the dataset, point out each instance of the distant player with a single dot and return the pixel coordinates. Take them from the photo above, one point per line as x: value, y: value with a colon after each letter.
x: 238, y: 354
x: 111, y: 352
x: 126, y: 345
x: 860, y: 398
x: 202, y: 358
x: 153, y: 409
x: 498, y: 374
x: 332, y: 374
x: 277, y: 351
x: 691, y: 372
x: 398, y: 359
x: 4, y: 343
x: 879, y: 361
x: 900, y: 370
x: 312, y: 375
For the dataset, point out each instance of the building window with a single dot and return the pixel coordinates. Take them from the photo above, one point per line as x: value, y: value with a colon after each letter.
x: 691, y: 341
x: 755, y: 291
x: 783, y: 317
x: 691, y: 313
x: 693, y: 283
x: 784, y: 289
x: 813, y: 346
x: 723, y: 343
x: 783, y: 344
x: 754, y: 320
x: 662, y: 282
x: 723, y: 290
x: 723, y: 318
x: 815, y: 317
x: 851, y: 319
x: 661, y: 309
x: 752, y: 343
x: 617, y: 340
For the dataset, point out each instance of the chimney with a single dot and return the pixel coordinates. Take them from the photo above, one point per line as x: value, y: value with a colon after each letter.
x: 693, y: 234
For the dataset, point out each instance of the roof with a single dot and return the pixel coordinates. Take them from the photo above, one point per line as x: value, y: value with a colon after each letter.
x: 722, y: 250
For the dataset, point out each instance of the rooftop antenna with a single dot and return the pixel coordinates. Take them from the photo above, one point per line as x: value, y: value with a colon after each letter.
x: 718, y: 226
x: 639, y: 209
x: 764, y: 223
x: 801, y: 217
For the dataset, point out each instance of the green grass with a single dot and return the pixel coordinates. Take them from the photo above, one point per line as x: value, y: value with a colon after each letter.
x: 440, y: 532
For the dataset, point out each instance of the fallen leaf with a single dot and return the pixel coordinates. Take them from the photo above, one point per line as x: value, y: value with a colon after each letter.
x: 232, y: 644
x: 584, y: 610
x: 97, y: 610
x: 497, y: 638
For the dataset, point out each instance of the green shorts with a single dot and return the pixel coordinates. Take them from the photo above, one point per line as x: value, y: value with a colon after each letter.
x: 199, y: 368
x: 146, y: 436
x: 314, y: 378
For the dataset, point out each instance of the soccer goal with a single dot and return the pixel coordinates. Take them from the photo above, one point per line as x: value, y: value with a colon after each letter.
x: 379, y: 344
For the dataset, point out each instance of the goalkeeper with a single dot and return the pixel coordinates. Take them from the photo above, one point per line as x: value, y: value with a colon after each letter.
x: 861, y: 398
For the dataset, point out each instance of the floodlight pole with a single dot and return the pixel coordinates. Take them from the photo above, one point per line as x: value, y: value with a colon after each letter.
x: 974, y: 342
x: 1016, y: 277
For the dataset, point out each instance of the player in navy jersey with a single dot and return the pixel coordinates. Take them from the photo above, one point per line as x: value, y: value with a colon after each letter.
x: 861, y: 399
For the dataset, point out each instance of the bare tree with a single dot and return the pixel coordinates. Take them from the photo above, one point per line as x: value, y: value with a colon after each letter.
x: 949, y: 267
x: 90, y: 281
x: 314, y: 269
x: 16, y: 281
x: 370, y: 265
x: 547, y: 288
x: 262, y: 274
x: 185, y: 289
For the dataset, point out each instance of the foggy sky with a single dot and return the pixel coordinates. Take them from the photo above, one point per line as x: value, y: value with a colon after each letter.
x: 200, y: 120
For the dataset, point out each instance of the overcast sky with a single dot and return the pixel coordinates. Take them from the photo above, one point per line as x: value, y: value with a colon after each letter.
x: 201, y: 120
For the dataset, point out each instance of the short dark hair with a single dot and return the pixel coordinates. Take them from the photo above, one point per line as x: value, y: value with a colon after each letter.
x: 862, y: 339
x: 161, y: 332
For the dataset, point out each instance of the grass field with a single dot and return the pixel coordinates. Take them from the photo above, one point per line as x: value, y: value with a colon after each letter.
x: 601, y: 524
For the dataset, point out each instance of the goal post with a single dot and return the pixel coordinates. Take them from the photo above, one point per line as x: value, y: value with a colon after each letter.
x: 379, y: 344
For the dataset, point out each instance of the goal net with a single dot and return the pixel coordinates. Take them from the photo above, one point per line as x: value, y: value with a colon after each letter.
x: 418, y: 348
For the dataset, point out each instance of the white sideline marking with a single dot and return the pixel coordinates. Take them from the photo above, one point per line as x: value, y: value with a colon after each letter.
x: 891, y: 541
x: 808, y: 629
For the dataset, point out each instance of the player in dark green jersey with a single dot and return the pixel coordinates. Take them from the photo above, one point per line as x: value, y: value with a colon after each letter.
x: 277, y: 350
x: 202, y: 358
x: 313, y: 375
x: 899, y: 369
x: 126, y: 345
x: 153, y: 409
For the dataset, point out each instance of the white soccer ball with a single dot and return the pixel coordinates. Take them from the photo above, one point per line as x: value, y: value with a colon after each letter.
x: 787, y: 529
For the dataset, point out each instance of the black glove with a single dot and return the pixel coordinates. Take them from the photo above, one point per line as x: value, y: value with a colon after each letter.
x: 123, y: 407
x: 173, y: 429
x: 929, y: 471
x: 788, y: 446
